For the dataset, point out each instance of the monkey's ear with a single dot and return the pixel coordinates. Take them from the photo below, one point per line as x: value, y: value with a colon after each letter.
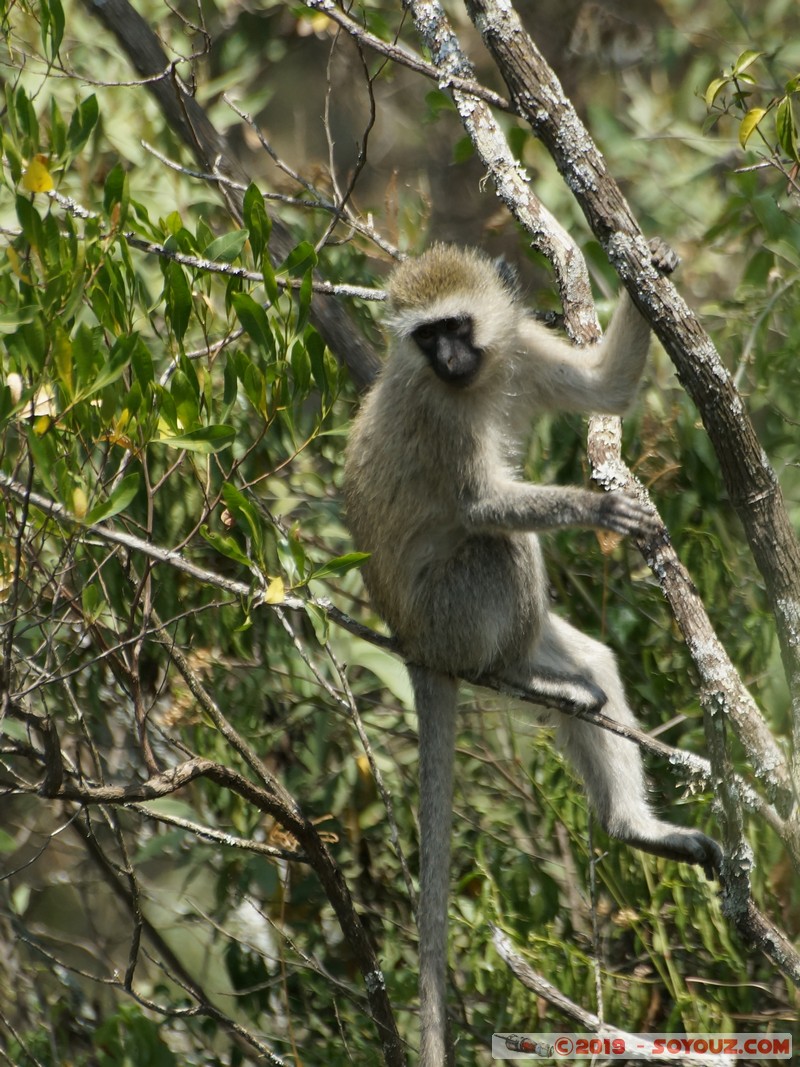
x: 508, y: 275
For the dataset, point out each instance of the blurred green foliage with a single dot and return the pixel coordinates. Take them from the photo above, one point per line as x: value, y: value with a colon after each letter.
x: 199, y: 409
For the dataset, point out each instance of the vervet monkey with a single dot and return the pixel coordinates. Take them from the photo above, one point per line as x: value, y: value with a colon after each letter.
x: 433, y: 493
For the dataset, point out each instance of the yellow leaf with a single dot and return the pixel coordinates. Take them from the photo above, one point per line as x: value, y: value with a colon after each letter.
x: 750, y: 123
x: 36, y: 177
x: 80, y: 502
x: 42, y: 425
x: 276, y: 592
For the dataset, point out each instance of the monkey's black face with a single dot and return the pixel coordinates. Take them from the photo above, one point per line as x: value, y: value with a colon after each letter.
x: 450, y: 350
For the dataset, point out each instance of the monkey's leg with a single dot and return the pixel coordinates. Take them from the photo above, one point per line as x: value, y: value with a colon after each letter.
x: 436, y: 697
x: 610, y: 766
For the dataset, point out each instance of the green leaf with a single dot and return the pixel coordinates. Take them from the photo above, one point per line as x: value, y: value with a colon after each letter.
x: 749, y: 124
x: 257, y: 222
x: 31, y: 222
x: 30, y: 343
x: 304, y: 301
x: 62, y: 356
x: 270, y: 285
x: 245, y: 513
x: 786, y: 129
x: 463, y: 150
x: 301, y: 369
x: 254, y: 319
x: 184, y: 394
x: 52, y: 15
x: 173, y: 224
x: 715, y: 88
x: 298, y: 555
x: 83, y: 121
x: 10, y: 321
x: 118, y: 359
x: 58, y: 129
x: 115, y: 192
x: 142, y: 363
x: 230, y: 380
x: 745, y: 60
x: 13, y: 160
x: 178, y: 298
x: 7, y: 406
x: 300, y: 260
x: 226, y: 545
x: 436, y: 102
x: 86, y: 355
x: 323, y: 367
x: 339, y: 565
x: 204, y: 235
x: 23, y: 114
x: 319, y: 621
x: 255, y: 388
x: 117, y: 502
x: 227, y: 248
x: 205, y: 440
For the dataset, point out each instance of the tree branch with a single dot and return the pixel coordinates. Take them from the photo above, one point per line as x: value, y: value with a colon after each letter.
x: 291, y: 819
x: 722, y: 687
x: 538, y: 985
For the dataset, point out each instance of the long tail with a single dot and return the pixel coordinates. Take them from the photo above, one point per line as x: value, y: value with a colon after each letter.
x: 436, y: 700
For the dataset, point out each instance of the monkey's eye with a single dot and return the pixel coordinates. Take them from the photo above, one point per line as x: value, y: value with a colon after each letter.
x: 426, y: 332
x: 460, y: 326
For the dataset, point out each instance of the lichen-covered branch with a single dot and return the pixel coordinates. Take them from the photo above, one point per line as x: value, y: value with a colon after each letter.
x: 721, y: 684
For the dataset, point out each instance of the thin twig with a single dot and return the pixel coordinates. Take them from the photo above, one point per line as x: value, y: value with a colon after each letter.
x: 445, y: 80
x: 212, y: 266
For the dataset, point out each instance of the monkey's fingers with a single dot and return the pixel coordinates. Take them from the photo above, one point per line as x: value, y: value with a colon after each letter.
x: 624, y: 514
x: 663, y: 258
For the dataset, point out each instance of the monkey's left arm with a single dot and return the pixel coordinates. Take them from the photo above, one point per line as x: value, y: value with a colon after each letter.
x: 510, y: 506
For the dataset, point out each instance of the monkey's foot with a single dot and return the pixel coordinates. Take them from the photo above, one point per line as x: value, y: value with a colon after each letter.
x: 679, y: 843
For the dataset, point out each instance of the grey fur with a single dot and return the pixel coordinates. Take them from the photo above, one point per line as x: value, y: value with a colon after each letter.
x: 433, y: 493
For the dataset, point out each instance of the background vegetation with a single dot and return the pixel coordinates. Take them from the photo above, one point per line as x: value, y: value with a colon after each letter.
x: 153, y: 385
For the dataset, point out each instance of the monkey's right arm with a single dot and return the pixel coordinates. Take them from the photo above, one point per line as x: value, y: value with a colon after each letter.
x: 596, y: 379
x: 516, y: 506
x: 599, y: 379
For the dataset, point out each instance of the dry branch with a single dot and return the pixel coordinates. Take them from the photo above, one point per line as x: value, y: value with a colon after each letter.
x: 587, y: 1020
